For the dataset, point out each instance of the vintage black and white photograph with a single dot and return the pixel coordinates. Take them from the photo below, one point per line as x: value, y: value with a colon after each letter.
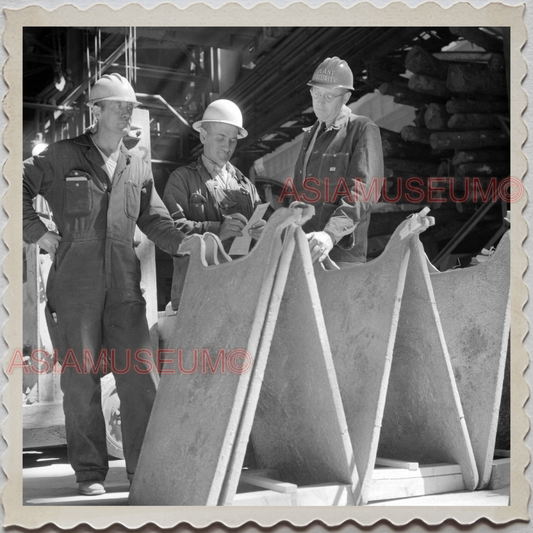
x: 267, y: 265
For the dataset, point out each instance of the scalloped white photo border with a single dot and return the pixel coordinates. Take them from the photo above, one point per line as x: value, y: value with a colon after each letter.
x: 298, y: 14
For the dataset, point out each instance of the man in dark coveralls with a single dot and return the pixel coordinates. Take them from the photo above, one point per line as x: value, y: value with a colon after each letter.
x: 98, y: 192
x: 339, y: 169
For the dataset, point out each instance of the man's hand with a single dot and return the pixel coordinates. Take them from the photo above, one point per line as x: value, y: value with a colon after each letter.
x: 50, y: 243
x: 257, y: 229
x: 320, y: 244
x: 232, y: 226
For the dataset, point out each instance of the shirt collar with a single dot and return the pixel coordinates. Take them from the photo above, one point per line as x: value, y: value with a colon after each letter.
x: 211, y: 166
x: 339, y: 122
x: 342, y: 118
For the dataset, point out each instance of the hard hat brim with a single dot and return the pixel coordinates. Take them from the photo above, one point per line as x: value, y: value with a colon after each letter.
x: 242, y: 133
x: 328, y: 85
x: 115, y: 99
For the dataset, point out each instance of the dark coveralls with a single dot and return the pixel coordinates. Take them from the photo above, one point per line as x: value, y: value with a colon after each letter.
x: 196, y: 211
x: 94, y: 288
x: 349, y: 149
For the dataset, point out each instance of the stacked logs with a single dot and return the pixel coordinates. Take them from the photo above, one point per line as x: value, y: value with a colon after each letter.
x: 461, y: 126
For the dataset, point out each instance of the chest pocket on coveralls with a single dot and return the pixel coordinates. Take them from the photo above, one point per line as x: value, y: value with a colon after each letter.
x: 132, y: 199
x: 333, y: 167
x: 237, y: 201
x: 197, y: 204
x: 78, y: 193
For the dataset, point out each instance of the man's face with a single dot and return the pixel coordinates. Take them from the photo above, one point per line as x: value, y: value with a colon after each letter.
x: 114, y: 116
x: 219, y: 141
x: 327, y: 103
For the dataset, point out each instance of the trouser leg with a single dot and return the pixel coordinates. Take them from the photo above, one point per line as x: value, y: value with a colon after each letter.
x: 127, y: 336
x: 79, y: 325
x: 84, y: 425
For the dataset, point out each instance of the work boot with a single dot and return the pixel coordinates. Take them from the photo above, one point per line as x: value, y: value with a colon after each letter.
x: 91, y: 488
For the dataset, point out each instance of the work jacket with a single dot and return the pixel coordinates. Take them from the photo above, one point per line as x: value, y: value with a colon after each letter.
x: 96, y: 217
x: 189, y: 200
x: 195, y: 210
x: 343, y: 179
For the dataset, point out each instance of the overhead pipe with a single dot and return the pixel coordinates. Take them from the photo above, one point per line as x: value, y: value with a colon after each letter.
x: 160, y: 99
x: 73, y: 96
x: 49, y: 107
x: 155, y: 72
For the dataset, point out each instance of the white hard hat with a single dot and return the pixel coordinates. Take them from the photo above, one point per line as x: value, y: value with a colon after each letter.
x: 223, y: 111
x: 112, y: 87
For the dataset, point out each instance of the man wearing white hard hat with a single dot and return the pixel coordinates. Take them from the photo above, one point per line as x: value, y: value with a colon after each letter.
x: 98, y: 192
x: 210, y: 194
x: 339, y: 169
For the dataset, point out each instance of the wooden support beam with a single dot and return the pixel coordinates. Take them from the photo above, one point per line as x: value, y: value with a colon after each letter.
x: 468, y: 79
x: 405, y: 488
x: 501, y: 473
x: 263, y: 498
x: 445, y: 169
x: 502, y: 453
x: 327, y: 494
x: 389, y: 63
x: 416, y: 135
x: 480, y: 156
x: 428, y: 470
x: 487, y: 169
x: 380, y: 461
x: 420, y: 61
x: 429, y: 85
x: 392, y: 483
x: 413, y: 168
x: 497, y: 63
x: 487, y: 41
x: 476, y: 106
x: 389, y: 135
x: 436, y: 117
x: 403, y: 150
x: 473, y: 121
x: 464, y: 57
x: 330, y: 494
x: 405, y: 95
x: 467, y: 140
x: 420, y: 116
x: 259, y: 480
x: 377, y: 76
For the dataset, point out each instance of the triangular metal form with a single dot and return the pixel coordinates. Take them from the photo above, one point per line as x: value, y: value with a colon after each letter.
x: 369, y: 318
x: 299, y: 427
x: 361, y: 307
x: 197, y: 411
x: 390, y: 360
x: 474, y: 308
x: 423, y: 420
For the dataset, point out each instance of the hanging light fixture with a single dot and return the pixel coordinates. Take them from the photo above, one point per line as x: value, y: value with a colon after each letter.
x: 39, y: 145
x: 59, y: 77
x: 59, y: 80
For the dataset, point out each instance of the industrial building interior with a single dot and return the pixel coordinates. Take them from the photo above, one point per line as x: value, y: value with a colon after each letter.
x: 178, y: 71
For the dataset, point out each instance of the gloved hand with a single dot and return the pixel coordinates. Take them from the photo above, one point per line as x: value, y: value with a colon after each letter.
x: 320, y: 244
x: 257, y: 229
x: 232, y: 226
x: 50, y: 243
